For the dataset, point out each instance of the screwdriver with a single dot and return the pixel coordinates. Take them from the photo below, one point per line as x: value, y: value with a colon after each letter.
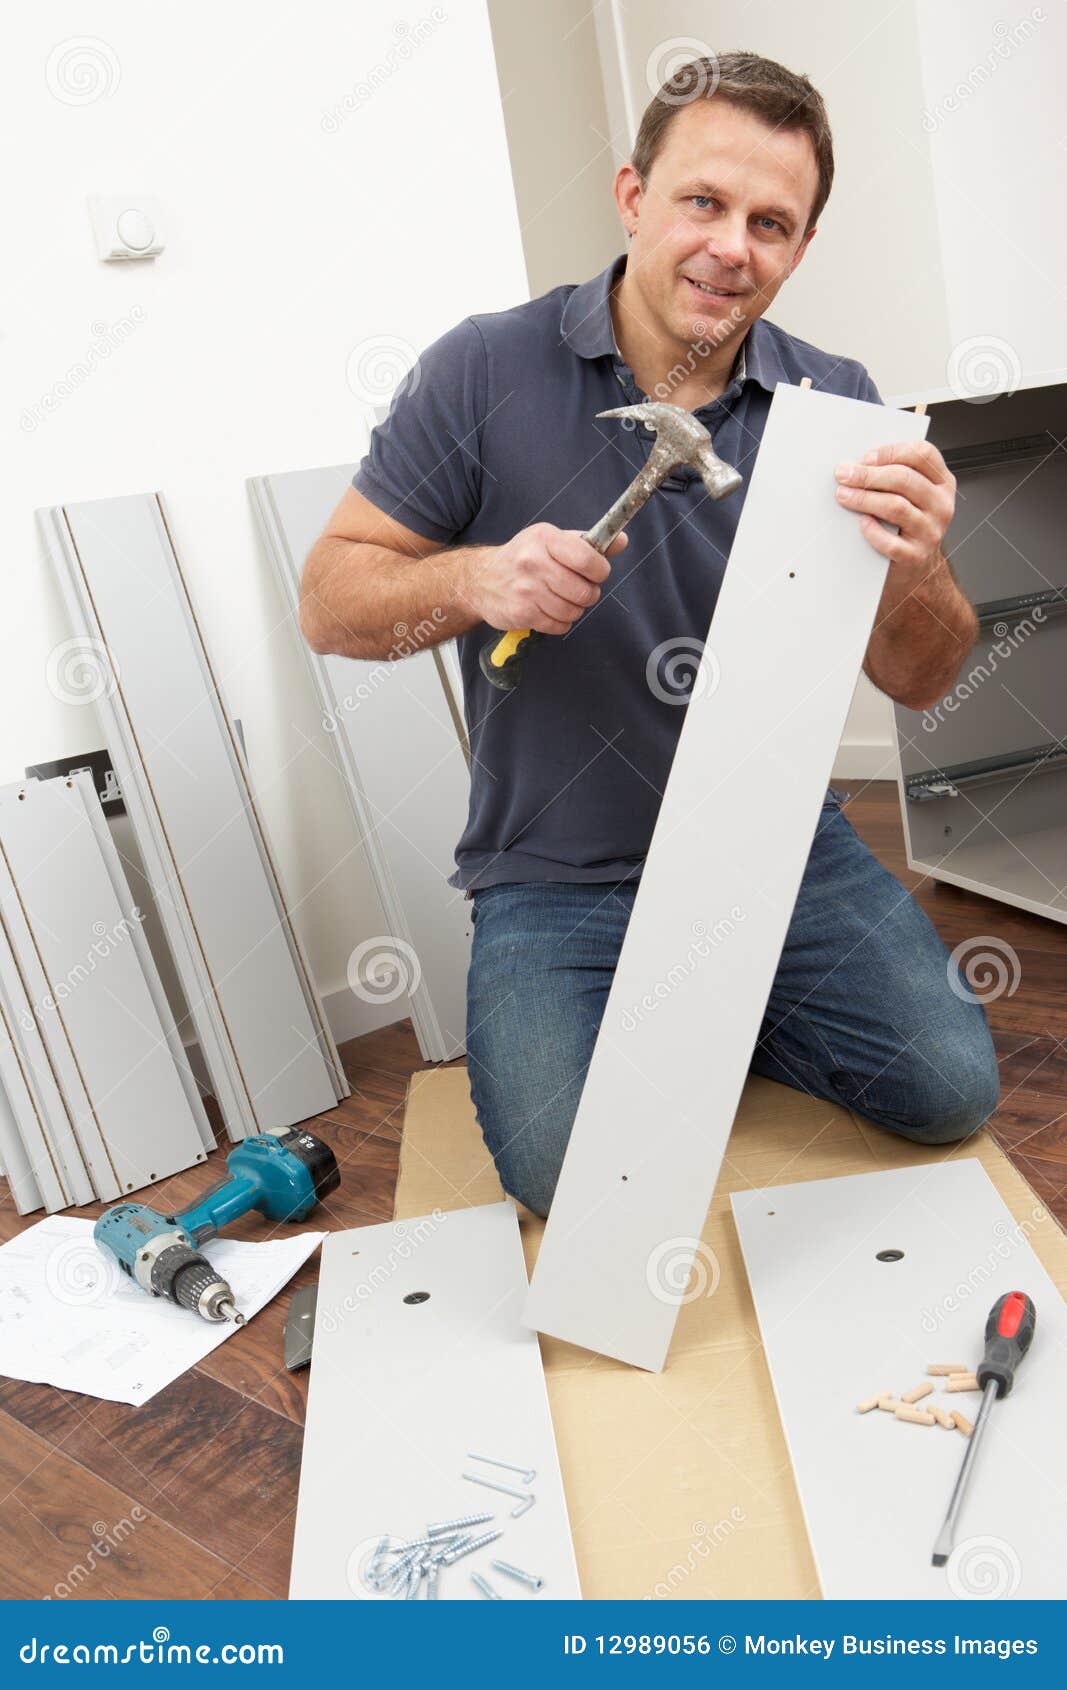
x: 1009, y: 1332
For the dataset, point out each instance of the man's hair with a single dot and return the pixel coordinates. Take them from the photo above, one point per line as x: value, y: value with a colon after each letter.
x: 780, y: 97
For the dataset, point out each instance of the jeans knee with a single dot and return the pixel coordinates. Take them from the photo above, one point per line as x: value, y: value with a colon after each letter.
x: 958, y: 1106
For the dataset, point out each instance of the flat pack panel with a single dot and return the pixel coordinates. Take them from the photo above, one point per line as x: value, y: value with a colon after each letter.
x: 735, y: 827
x: 55, y: 1163
x: 83, y: 938
x: 82, y: 784
x: 402, y: 1391
x: 70, y: 1144
x: 17, y: 1167
x: 180, y: 743
x: 391, y: 728
x: 838, y: 1325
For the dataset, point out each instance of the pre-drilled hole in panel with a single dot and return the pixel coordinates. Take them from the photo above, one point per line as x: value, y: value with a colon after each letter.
x: 889, y: 1256
x: 417, y: 1297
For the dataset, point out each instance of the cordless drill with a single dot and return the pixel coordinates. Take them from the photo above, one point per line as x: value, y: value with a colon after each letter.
x: 282, y: 1173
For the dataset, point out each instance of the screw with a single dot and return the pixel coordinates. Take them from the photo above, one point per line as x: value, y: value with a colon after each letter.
x: 529, y: 1474
x: 523, y: 1508
x: 534, y: 1580
x: 432, y: 1571
x: 446, y: 1546
x: 484, y: 1586
x: 444, y: 1527
x: 377, y: 1558
x: 467, y: 1547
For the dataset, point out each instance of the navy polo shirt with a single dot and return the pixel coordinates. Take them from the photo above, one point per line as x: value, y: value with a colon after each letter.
x: 495, y: 429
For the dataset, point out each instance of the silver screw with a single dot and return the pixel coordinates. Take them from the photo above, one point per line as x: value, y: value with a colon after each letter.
x: 414, y: 1580
x: 529, y: 1474
x: 446, y: 1546
x: 523, y: 1507
x: 468, y: 1547
x: 444, y: 1528
x: 432, y: 1571
x: 534, y: 1580
x: 484, y: 1586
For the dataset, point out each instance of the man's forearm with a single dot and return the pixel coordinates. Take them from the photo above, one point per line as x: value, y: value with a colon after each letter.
x: 366, y: 601
x: 924, y: 628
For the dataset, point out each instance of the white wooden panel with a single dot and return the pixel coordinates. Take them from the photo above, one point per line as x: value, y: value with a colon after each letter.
x: 18, y: 1169
x: 839, y: 1325
x: 729, y: 849
x: 178, y: 745
x: 104, y: 1009
x: 400, y: 1393
x: 391, y: 728
x: 50, y: 1119
x: 109, y: 851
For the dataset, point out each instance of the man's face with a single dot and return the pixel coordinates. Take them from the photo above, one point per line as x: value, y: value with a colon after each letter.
x: 726, y: 204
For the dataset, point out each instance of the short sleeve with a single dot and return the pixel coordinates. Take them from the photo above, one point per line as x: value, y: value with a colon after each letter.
x: 423, y: 467
x: 867, y: 390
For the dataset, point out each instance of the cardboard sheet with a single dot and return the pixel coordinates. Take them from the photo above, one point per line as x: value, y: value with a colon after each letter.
x: 679, y: 1484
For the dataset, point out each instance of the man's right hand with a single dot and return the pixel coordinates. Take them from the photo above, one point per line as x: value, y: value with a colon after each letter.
x: 544, y: 578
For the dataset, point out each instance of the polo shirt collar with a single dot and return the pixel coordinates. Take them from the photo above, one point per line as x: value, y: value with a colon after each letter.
x: 587, y: 329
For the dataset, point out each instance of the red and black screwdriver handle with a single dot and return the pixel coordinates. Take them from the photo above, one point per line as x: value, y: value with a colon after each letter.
x: 1009, y: 1332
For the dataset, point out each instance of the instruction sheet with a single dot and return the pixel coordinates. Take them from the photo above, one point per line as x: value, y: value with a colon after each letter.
x: 70, y: 1317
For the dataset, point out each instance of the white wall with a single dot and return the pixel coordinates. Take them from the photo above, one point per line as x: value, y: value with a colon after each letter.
x: 306, y: 218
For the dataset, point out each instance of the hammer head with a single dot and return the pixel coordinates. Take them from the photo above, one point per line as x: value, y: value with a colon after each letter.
x: 680, y: 439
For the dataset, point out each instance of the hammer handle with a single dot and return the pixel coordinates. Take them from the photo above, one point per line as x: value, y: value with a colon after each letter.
x: 503, y: 657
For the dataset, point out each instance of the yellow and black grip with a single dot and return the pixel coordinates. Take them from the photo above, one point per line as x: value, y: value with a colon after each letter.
x: 502, y: 658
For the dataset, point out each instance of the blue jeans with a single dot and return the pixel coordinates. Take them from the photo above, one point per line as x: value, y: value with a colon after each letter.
x: 861, y: 1012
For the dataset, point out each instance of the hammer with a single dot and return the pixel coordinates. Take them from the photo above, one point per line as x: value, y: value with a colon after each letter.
x: 680, y: 439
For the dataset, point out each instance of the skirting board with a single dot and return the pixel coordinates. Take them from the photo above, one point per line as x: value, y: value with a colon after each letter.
x: 838, y: 1325
x: 390, y: 728
x: 101, y: 1012
x: 252, y: 1001
x: 402, y: 1392
x: 717, y: 893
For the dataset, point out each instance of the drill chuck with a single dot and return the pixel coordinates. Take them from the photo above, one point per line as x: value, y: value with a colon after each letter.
x: 188, y: 1279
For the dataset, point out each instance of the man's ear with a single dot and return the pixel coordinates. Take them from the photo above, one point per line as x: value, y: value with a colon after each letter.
x: 802, y: 248
x: 628, y: 194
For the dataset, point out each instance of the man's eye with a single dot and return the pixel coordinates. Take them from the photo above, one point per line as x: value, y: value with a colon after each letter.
x: 704, y: 197
x: 774, y: 223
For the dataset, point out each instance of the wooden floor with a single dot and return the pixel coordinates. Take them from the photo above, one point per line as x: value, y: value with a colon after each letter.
x: 194, y: 1494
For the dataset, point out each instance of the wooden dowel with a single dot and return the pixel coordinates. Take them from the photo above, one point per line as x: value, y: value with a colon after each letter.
x: 942, y: 1369
x: 917, y: 1416
x: 917, y: 1393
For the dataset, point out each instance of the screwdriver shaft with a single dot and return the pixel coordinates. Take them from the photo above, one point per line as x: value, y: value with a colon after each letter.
x: 943, y: 1546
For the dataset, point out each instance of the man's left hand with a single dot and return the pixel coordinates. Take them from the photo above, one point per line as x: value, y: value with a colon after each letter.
x: 908, y: 484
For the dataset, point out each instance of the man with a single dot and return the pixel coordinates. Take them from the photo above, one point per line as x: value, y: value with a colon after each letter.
x: 469, y: 509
